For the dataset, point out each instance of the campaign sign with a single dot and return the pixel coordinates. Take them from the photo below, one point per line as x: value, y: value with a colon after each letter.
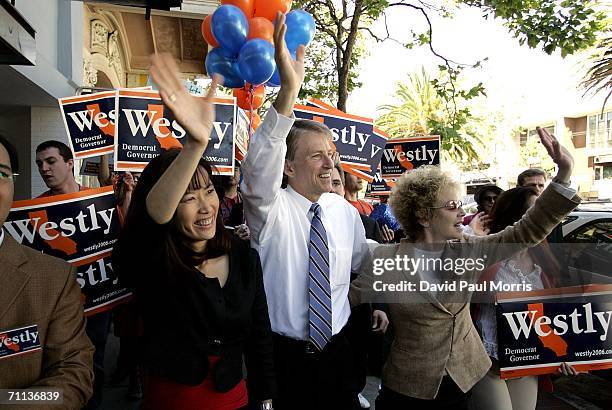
x: 80, y: 228
x: 359, y: 149
x: 15, y: 342
x: 91, y: 166
x: 539, y: 330
x: 90, y: 123
x: 145, y: 127
x: 406, y: 154
x: 381, y: 186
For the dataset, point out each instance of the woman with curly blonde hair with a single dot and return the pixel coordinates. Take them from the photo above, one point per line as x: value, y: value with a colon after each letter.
x: 437, y: 356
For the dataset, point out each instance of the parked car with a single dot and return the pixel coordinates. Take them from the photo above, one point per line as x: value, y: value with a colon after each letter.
x: 587, y: 244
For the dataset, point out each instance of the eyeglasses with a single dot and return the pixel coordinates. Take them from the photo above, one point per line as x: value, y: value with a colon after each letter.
x: 6, y: 176
x: 450, y: 205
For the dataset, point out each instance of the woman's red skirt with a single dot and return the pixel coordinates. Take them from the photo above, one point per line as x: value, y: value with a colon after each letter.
x: 164, y: 394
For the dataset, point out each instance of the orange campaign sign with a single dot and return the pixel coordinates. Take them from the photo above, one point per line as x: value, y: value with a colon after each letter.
x: 80, y: 228
x: 145, y: 127
x: 359, y: 146
x: 539, y: 330
x: 90, y: 123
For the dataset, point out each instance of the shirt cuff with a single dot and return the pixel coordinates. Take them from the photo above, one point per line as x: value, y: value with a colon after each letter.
x: 276, y: 125
x: 567, y: 192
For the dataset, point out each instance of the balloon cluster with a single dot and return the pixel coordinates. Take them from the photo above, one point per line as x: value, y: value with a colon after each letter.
x: 241, y: 34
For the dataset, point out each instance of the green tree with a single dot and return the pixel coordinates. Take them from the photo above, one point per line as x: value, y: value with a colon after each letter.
x: 423, y: 109
x: 568, y: 25
x: 598, y: 77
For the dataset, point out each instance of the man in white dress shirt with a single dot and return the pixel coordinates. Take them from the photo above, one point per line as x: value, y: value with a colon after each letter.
x: 315, y: 368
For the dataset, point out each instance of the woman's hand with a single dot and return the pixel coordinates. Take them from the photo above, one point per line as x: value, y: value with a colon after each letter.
x: 479, y: 224
x: 558, y: 153
x: 195, y: 114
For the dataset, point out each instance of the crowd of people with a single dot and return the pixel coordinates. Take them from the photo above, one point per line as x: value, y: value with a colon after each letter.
x: 238, y: 272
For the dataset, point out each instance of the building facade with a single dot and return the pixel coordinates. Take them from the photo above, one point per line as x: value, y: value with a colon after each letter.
x: 78, y: 46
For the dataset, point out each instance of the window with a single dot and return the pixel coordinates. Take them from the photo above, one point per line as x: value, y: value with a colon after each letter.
x: 594, y: 232
x: 599, y: 130
x: 533, y: 134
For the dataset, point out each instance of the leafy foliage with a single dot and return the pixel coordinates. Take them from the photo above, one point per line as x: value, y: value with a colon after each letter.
x: 433, y: 106
x: 598, y: 77
x: 568, y: 25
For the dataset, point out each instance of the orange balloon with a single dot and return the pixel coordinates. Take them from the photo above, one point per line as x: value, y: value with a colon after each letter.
x: 243, y: 96
x: 207, y: 32
x: 247, y: 6
x: 268, y: 8
x: 260, y: 27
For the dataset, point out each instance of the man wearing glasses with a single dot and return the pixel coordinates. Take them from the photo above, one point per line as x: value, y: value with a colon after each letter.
x: 42, y: 329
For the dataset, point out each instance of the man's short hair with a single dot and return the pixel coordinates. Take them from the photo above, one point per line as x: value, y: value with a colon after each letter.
x: 63, y: 149
x: 531, y: 172
x: 299, y: 128
x: 12, y: 153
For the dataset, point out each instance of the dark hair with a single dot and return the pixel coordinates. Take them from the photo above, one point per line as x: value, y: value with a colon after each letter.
x: 64, y: 150
x: 531, y: 172
x: 341, y: 172
x: 12, y: 153
x: 486, y: 188
x: 509, y: 208
x: 175, y: 253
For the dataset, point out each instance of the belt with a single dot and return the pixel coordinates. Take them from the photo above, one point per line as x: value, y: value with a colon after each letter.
x: 303, y: 346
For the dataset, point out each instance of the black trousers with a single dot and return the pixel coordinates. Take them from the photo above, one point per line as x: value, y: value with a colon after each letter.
x: 330, y: 379
x: 97, y: 328
x: 449, y: 397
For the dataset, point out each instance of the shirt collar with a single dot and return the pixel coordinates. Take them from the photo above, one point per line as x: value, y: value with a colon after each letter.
x: 303, y: 202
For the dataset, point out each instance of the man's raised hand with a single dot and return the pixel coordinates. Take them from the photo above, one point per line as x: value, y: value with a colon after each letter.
x: 291, y: 71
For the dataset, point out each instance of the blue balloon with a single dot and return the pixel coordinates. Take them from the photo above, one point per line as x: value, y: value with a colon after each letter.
x: 275, y: 81
x: 300, y: 29
x: 230, y: 28
x: 256, y: 61
x: 217, y: 63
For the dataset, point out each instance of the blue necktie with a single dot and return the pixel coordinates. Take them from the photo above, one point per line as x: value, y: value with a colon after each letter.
x: 319, y: 290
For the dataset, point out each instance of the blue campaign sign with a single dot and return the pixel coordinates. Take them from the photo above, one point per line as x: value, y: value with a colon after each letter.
x: 539, y: 330
x: 80, y: 228
x: 145, y: 127
x: 359, y: 148
x: 380, y: 186
x: 405, y: 154
x: 90, y: 123
x: 14, y: 342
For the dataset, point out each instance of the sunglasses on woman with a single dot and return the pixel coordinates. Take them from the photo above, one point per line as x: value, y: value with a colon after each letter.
x: 450, y: 205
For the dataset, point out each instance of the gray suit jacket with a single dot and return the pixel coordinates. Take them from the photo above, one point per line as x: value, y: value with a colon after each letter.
x: 434, y: 338
x: 40, y: 290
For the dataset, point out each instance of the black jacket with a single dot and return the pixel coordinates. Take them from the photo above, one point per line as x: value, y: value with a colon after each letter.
x: 189, y: 317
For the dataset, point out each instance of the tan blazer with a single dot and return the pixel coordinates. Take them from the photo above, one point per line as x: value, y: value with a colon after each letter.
x: 40, y: 290
x: 433, y: 338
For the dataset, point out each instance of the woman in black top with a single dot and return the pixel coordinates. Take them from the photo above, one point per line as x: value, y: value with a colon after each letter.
x: 200, y: 293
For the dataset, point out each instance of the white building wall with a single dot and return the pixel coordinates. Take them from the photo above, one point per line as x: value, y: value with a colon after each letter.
x: 47, y: 124
x: 42, y: 16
